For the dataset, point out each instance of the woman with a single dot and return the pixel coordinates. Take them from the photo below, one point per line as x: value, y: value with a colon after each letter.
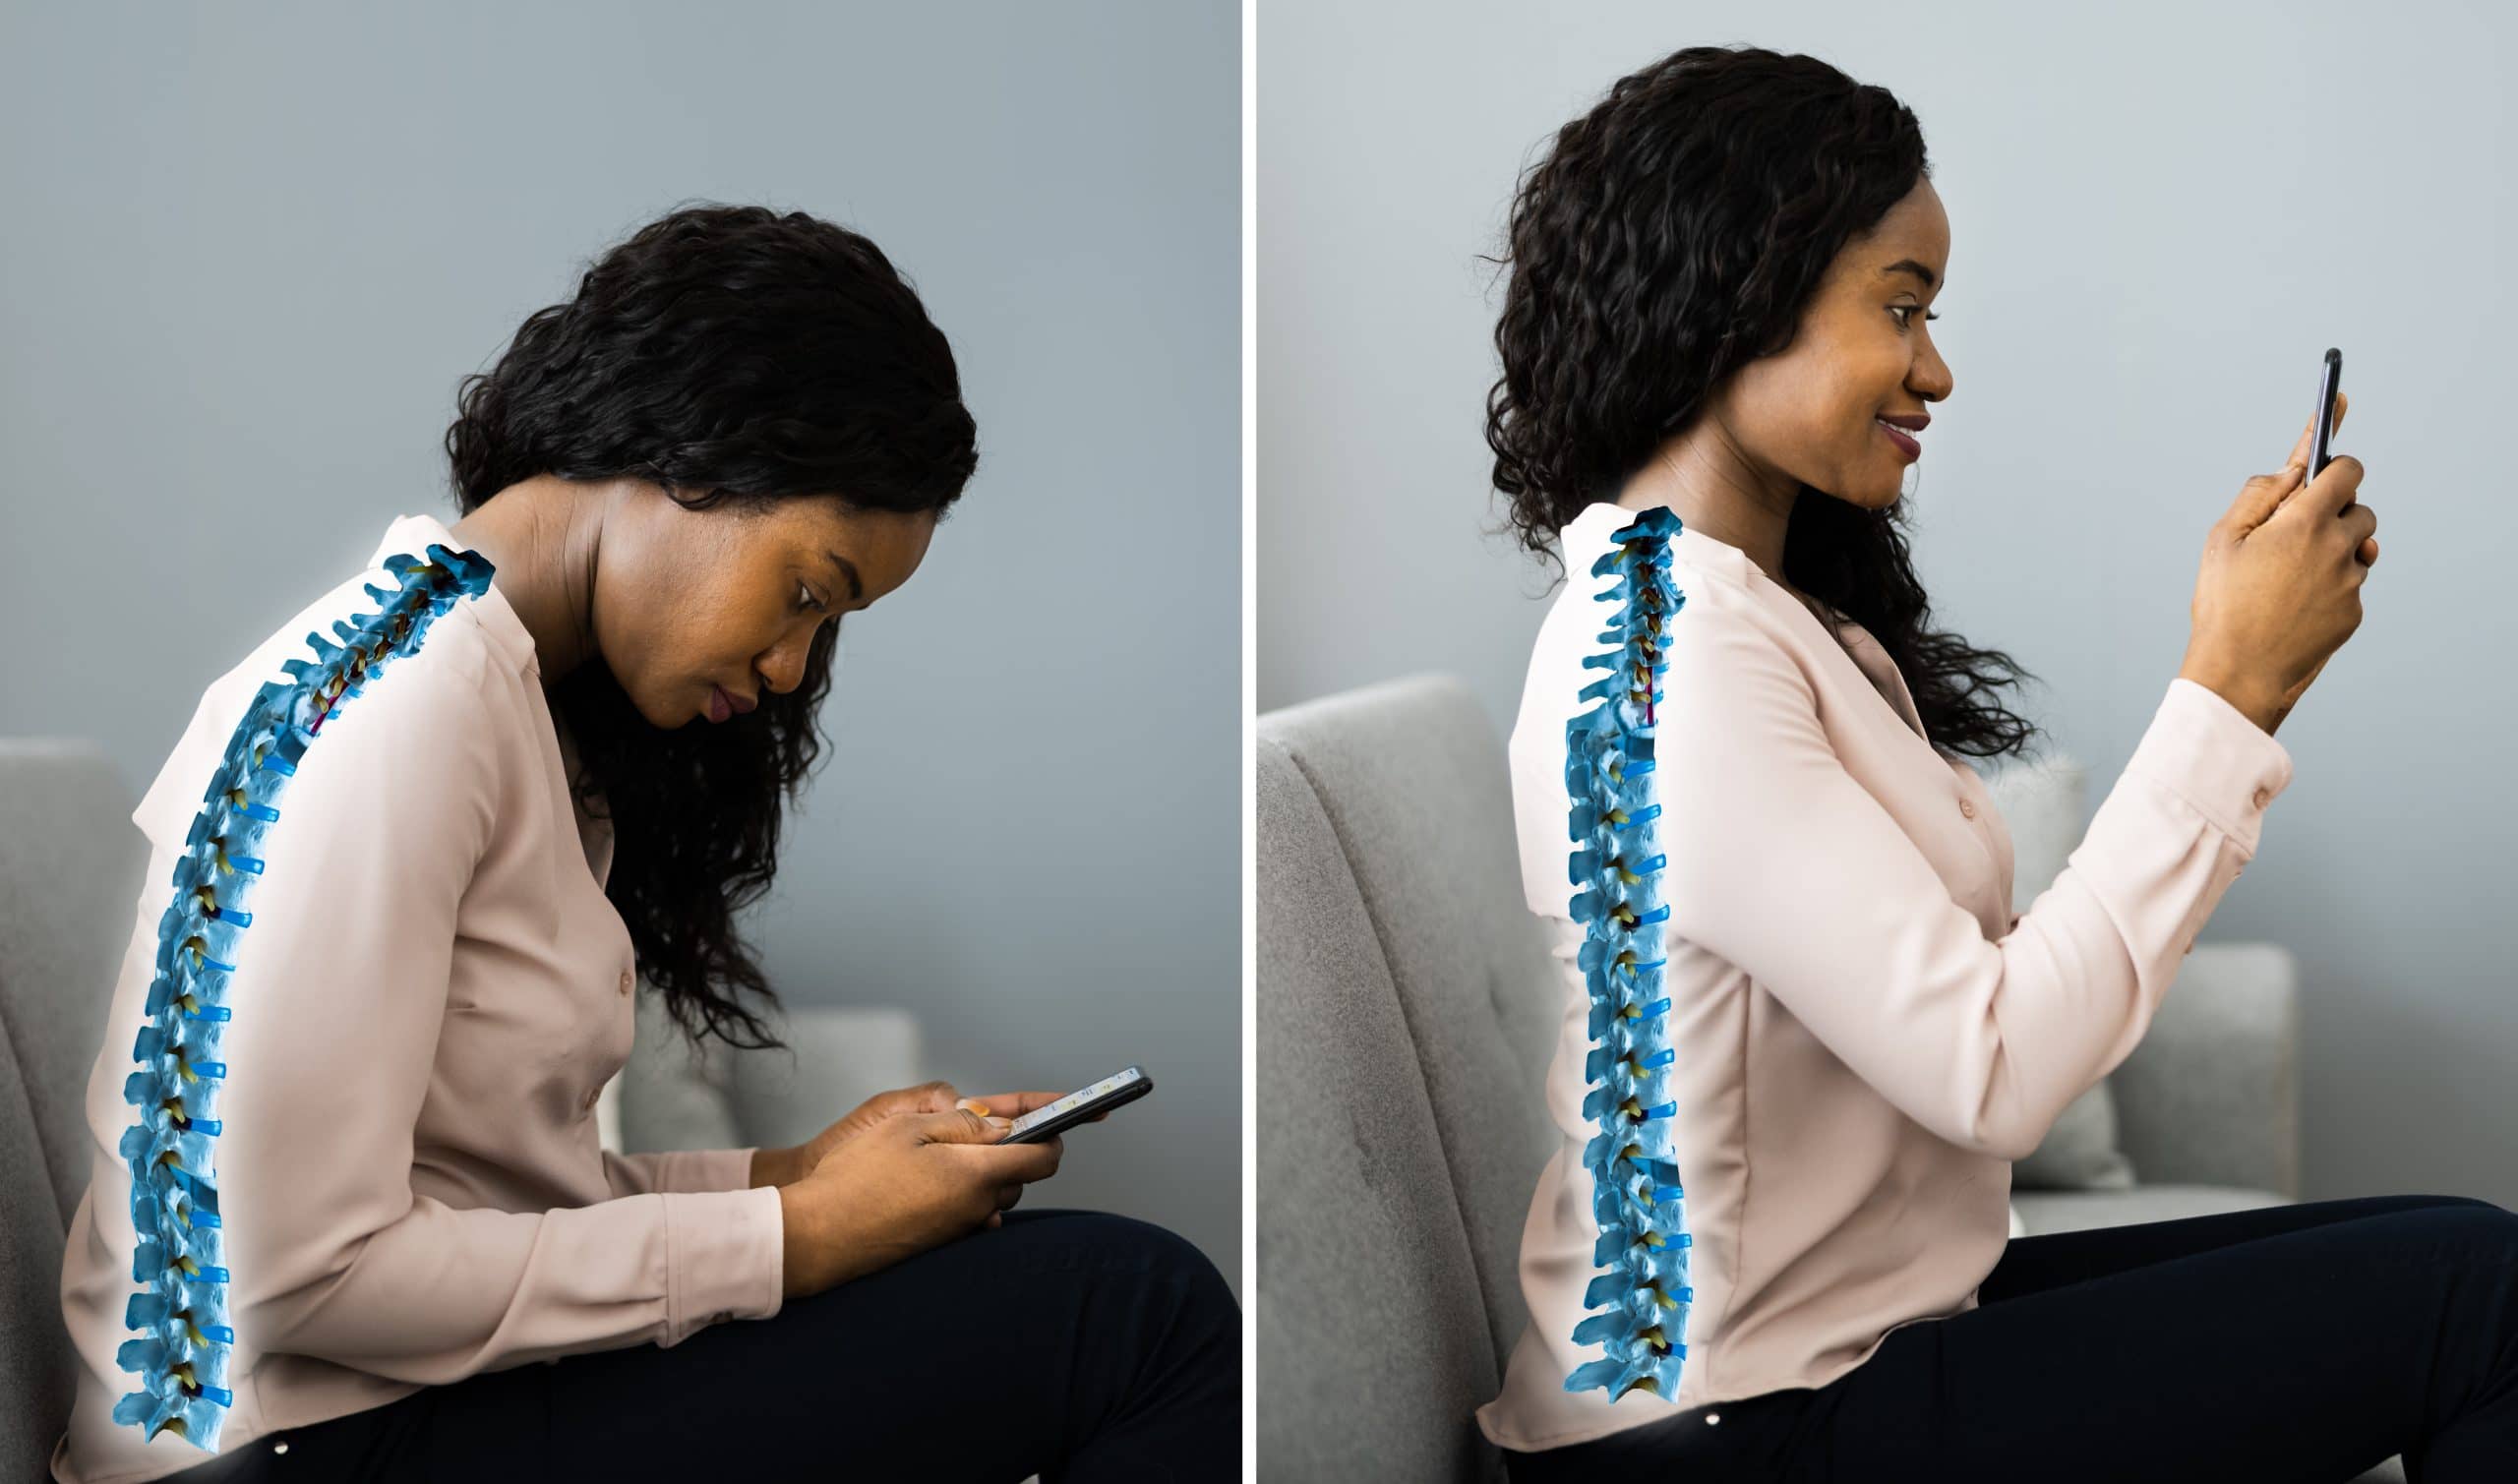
x: 563, y: 771
x: 1779, y: 1250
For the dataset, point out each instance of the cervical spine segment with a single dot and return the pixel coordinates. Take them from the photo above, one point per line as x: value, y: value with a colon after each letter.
x: 181, y: 1306
x: 1635, y: 1189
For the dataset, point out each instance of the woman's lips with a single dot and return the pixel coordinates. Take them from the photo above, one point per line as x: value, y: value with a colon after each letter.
x: 719, y: 707
x: 1906, y: 445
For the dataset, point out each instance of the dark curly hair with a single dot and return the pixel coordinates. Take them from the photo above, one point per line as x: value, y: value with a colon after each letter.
x: 732, y: 355
x: 1673, y: 234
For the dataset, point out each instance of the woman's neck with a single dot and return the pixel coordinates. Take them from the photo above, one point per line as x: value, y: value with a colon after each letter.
x: 1715, y: 492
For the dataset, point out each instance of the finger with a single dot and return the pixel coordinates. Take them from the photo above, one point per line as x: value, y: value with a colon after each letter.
x: 1025, y: 1163
x: 2308, y: 435
x: 2328, y: 493
x: 959, y: 1126
x: 925, y: 1098
x: 2361, y: 518
x: 2262, y: 494
x: 1016, y: 1104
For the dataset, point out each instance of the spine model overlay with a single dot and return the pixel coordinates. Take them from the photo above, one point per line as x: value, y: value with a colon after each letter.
x: 1644, y: 1296
x: 181, y: 1306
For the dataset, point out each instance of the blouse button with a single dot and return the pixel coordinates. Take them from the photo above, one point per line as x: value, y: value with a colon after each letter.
x: 624, y: 980
x: 1711, y: 1418
x: 1967, y: 807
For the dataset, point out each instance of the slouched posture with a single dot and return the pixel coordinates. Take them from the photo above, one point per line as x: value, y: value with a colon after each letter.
x: 409, y: 1177
x: 181, y: 1305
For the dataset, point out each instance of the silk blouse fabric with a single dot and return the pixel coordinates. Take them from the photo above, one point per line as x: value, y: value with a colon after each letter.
x: 1867, y: 1035
x: 432, y: 994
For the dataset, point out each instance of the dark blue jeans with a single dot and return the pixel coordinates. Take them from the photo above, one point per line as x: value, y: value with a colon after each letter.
x: 2302, y: 1343
x: 1078, y: 1345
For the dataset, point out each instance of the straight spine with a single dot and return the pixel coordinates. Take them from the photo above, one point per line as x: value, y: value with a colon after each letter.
x: 1642, y: 1296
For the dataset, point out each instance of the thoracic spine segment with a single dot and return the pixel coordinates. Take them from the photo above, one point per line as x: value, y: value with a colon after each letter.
x: 181, y: 1306
x: 1634, y: 1189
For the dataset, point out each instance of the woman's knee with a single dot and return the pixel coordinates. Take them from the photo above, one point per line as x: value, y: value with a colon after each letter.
x: 2479, y: 1212
x: 1133, y: 1242
x: 2462, y: 1222
x: 2468, y: 1210
x: 2379, y: 1206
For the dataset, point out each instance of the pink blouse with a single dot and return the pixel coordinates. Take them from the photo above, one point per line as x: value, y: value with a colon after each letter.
x: 1866, y: 1034
x: 432, y: 994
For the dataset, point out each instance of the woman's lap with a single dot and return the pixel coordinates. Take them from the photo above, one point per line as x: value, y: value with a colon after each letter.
x: 991, y: 1357
x: 2305, y: 1341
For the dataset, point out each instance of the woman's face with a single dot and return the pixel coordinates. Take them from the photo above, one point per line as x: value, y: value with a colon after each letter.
x: 1862, y: 351
x: 729, y: 597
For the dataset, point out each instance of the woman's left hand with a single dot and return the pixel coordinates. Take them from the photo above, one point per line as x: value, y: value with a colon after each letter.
x: 927, y: 1098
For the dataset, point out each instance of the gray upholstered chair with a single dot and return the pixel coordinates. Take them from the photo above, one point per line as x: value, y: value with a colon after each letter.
x: 70, y: 889
x: 1406, y: 1008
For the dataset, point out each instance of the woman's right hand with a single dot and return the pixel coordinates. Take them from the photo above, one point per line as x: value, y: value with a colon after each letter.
x: 911, y: 1182
x: 2280, y: 586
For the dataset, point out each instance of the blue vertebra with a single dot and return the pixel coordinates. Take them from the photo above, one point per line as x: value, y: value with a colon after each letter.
x: 181, y: 1306
x: 1642, y: 1296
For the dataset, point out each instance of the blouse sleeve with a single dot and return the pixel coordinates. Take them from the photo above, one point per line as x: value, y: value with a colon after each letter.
x: 337, y: 999
x: 678, y: 1169
x: 1781, y: 861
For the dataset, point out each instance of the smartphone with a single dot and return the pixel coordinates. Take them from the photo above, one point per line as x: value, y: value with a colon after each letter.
x: 2328, y: 384
x: 1050, y: 1119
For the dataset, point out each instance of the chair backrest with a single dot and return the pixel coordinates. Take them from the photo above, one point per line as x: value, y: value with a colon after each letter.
x: 1407, y: 1007
x: 70, y: 878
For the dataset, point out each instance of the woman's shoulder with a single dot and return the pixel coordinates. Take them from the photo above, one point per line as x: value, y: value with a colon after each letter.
x: 414, y: 663
x: 1715, y: 614
x: 1719, y: 630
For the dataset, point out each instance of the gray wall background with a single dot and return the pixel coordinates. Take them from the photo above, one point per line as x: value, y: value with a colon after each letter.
x: 2161, y: 216
x: 248, y: 253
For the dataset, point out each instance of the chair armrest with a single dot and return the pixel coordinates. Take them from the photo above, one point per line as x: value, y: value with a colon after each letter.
x: 2210, y: 1095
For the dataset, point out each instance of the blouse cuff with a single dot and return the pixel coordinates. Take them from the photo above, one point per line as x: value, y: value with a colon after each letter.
x: 2209, y: 754
x: 727, y: 1257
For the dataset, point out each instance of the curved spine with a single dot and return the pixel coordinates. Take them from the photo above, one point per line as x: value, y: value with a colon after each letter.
x: 181, y: 1305
x: 1644, y: 1296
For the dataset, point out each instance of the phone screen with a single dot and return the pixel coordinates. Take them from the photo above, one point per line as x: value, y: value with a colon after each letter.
x: 1123, y: 1086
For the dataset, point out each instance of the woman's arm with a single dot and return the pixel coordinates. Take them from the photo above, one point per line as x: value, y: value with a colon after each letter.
x: 695, y: 1170
x: 339, y: 996
x: 1785, y: 864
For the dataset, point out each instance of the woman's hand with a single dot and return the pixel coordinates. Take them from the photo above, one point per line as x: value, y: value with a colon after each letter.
x: 898, y: 1186
x: 795, y: 1161
x: 792, y: 1163
x: 2280, y: 586
x: 1015, y: 1105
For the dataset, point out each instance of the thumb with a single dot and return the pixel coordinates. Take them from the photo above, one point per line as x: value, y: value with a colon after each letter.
x: 961, y: 1126
x: 2263, y: 495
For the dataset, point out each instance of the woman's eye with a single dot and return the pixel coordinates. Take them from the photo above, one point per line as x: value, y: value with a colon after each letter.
x: 810, y: 600
x: 1908, y: 309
